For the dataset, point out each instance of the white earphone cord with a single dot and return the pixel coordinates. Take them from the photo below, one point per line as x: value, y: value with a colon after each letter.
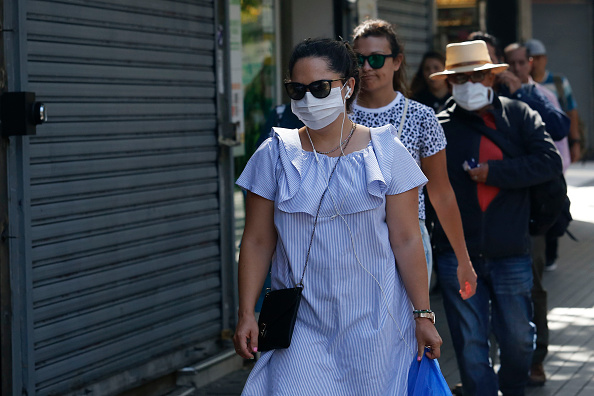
x: 336, y: 208
x: 385, y: 298
x: 340, y: 145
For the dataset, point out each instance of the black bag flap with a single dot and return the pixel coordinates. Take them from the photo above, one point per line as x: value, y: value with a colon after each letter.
x: 277, y: 303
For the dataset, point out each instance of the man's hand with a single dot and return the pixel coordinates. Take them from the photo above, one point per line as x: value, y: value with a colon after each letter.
x: 509, y: 79
x: 575, y: 151
x: 480, y: 173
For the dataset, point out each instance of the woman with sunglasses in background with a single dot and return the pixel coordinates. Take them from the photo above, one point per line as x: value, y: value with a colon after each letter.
x: 382, y: 100
x: 432, y: 93
x: 333, y: 205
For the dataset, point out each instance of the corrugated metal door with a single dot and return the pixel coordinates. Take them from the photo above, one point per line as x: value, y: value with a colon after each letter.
x: 124, y: 217
x: 413, y: 19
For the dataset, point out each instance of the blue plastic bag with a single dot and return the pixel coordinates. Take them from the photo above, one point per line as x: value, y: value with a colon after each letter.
x: 425, y: 379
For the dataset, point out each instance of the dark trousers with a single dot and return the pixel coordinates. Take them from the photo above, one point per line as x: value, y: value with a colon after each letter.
x: 539, y: 299
x: 552, y: 245
x: 502, y: 304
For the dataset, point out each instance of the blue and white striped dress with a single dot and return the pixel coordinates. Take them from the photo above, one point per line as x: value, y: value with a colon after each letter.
x: 355, y: 331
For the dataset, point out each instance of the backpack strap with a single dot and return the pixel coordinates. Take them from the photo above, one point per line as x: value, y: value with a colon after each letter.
x: 558, y: 80
x: 403, y: 117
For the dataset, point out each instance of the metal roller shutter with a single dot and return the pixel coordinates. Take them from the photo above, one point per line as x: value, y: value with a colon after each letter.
x: 413, y: 22
x: 124, y: 207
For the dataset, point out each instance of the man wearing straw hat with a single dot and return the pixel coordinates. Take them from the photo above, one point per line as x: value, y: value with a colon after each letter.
x: 491, y: 187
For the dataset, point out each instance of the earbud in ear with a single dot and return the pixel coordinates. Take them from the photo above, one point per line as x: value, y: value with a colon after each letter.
x: 348, y: 93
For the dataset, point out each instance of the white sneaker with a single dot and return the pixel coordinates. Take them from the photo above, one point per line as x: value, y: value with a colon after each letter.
x: 551, y: 267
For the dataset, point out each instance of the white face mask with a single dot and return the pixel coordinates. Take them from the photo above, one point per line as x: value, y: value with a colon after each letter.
x: 319, y: 113
x: 472, y: 96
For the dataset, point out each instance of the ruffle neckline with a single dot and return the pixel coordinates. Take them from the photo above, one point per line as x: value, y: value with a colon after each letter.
x: 376, y: 158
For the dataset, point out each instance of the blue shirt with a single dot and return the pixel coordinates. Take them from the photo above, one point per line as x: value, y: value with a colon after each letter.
x: 549, y: 83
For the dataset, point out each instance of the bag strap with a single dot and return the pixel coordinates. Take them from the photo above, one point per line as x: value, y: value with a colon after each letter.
x: 560, y: 92
x: 300, y: 284
x: 403, y: 117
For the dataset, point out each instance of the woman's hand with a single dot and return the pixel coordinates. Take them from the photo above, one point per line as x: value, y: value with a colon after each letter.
x: 427, y: 336
x: 467, y: 279
x: 246, y: 336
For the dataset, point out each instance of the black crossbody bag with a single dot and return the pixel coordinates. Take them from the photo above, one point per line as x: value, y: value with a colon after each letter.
x: 279, y: 309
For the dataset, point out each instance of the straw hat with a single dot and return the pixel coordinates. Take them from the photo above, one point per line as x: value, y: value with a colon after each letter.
x: 466, y: 57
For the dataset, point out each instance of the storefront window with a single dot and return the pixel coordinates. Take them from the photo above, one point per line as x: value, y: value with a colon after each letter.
x: 259, y: 76
x: 456, y: 19
x: 260, y: 81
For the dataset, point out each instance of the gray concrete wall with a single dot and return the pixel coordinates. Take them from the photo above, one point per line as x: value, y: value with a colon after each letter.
x: 567, y: 31
x: 311, y: 18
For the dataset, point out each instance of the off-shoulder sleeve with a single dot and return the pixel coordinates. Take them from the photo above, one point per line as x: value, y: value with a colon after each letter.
x: 259, y: 175
x: 400, y: 170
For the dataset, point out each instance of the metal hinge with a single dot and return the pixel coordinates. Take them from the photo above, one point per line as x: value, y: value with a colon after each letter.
x: 229, y: 137
x: 4, y: 235
x: 226, y: 334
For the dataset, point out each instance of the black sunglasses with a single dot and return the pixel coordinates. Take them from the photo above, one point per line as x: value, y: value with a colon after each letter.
x: 376, y: 61
x: 320, y: 89
x: 461, y: 78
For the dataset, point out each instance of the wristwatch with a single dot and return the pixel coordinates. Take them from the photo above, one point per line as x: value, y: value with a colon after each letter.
x: 426, y: 313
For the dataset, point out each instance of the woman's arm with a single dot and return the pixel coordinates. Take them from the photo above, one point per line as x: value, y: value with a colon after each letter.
x: 444, y: 202
x: 405, y: 239
x: 257, y: 247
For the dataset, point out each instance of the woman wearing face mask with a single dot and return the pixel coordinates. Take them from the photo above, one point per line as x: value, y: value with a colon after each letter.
x: 432, y: 93
x: 382, y: 100
x: 333, y: 205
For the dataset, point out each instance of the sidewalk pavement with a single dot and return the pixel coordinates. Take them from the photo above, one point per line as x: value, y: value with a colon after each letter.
x: 571, y: 308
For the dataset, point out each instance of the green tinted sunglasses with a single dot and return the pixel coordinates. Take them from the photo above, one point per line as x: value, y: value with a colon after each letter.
x: 376, y: 61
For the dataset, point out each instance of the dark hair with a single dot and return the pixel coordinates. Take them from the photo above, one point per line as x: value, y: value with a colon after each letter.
x: 381, y: 28
x: 489, y: 39
x: 338, y: 54
x: 418, y: 83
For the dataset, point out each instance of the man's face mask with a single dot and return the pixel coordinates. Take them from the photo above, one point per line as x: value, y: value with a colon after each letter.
x: 472, y: 96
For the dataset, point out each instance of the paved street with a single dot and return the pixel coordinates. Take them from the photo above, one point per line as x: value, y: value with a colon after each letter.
x: 571, y: 308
